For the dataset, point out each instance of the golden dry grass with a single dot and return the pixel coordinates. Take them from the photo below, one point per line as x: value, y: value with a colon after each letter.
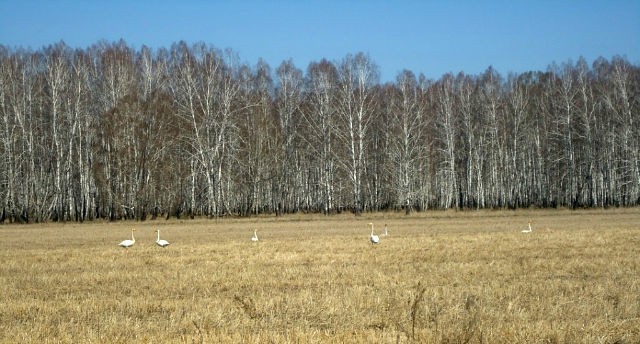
x: 439, y: 277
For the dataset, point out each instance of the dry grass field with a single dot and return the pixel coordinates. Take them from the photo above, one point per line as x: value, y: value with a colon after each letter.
x: 438, y: 277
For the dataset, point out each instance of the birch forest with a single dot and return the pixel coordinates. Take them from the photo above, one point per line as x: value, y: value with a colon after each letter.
x: 114, y: 132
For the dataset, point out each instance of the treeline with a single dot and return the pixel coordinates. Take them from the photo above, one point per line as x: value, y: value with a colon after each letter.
x: 115, y: 132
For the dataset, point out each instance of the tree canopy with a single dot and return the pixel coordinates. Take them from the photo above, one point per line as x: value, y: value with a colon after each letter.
x: 120, y: 133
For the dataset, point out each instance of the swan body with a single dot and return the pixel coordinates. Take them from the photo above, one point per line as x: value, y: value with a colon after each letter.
x: 373, y: 238
x: 528, y: 230
x: 161, y: 242
x: 254, y: 238
x: 128, y: 243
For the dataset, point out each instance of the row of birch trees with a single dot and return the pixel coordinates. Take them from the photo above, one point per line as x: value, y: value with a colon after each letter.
x: 120, y: 133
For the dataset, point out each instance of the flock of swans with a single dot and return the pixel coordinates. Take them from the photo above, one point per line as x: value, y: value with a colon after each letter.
x: 129, y: 242
x: 373, y: 238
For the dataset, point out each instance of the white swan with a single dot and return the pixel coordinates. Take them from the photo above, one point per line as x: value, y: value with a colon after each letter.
x: 373, y: 238
x: 528, y: 230
x: 254, y: 238
x: 128, y: 243
x: 161, y: 243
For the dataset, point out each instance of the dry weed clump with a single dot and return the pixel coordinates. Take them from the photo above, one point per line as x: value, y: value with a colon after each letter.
x: 438, y: 277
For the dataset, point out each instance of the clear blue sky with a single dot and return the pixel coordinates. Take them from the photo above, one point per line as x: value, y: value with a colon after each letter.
x: 430, y: 37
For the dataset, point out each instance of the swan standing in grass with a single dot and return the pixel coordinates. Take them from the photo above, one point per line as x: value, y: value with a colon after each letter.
x: 161, y: 243
x: 254, y: 238
x: 528, y: 230
x: 373, y: 238
x: 128, y: 243
x: 385, y: 230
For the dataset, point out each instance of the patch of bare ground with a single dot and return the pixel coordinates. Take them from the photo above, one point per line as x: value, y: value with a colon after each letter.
x: 438, y: 277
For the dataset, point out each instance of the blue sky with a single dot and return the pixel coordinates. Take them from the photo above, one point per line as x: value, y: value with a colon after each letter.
x: 430, y: 37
